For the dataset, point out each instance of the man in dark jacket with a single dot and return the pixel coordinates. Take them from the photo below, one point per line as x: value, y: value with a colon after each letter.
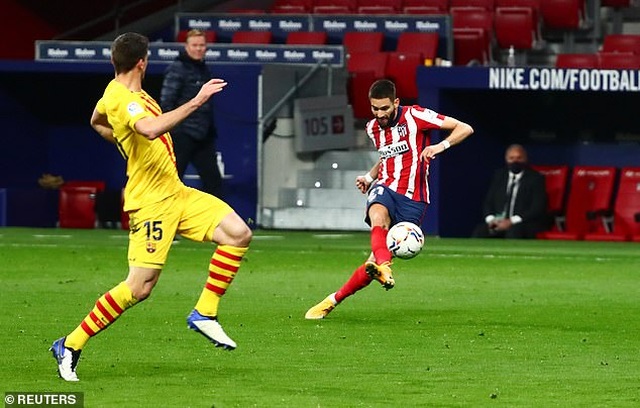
x: 194, y: 138
x: 516, y: 203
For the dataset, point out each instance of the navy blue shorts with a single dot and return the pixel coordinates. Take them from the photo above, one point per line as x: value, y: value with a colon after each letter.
x: 400, y: 207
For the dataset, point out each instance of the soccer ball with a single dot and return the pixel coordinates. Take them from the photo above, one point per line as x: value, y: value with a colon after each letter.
x: 405, y: 240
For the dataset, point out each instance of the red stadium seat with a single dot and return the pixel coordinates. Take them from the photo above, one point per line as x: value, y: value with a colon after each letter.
x: 562, y: 14
x: 423, y: 43
x: 288, y: 9
x: 475, y: 18
x: 556, y: 178
x: 394, y: 5
x: 621, y: 43
x: 483, y: 4
x: 618, y: 60
x: 589, y: 201
x: 292, y: 6
x: 210, y: 36
x: 515, y: 26
x: 251, y: 37
x: 580, y: 60
x: 563, y: 17
x: 472, y: 17
x: 427, y: 10
x: 375, y: 62
x: 77, y: 204
x: 356, y: 41
x: 181, y: 36
x: 352, y: 4
x: 371, y: 10
x: 470, y: 46
x: 364, y: 68
x: 441, y: 6
x: 307, y: 38
x: 339, y: 6
x: 626, y: 211
x: 332, y: 10
x: 401, y: 69
x: 534, y: 4
x: 357, y: 88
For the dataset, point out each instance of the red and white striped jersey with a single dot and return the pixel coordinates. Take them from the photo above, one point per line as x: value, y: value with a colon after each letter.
x: 400, y: 146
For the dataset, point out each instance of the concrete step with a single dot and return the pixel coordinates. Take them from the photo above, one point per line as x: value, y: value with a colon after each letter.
x: 361, y: 160
x: 337, y: 219
x: 322, y: 198
x: 317, y: 178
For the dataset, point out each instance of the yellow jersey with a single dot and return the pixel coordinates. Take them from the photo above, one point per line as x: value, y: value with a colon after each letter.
x: 151, y: 164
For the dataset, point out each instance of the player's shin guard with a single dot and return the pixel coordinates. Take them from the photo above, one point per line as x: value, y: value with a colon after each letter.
x: 379, y: 245
x: 222, y: 269
x: 107, y: 309
x: 357, y: 281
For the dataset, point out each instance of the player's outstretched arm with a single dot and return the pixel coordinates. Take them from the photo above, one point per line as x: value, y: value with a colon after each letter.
x: 153, y: 127
x: 459, y: 131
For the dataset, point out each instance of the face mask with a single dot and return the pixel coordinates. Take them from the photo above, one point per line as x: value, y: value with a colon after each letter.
x: 516, y: 167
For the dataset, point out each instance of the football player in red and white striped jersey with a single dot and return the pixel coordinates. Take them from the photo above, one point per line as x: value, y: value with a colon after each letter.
x: 397, y: 185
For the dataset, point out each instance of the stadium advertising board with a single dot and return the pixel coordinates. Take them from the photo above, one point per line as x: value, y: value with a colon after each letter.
x: 499, y: 78
x: 551, y: 79
x: 532, y: 79
x: 70, y: 51
x: 224, y: 25
x: 392, y: 26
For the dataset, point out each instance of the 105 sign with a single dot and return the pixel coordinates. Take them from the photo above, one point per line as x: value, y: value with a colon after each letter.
x: 323, y: 123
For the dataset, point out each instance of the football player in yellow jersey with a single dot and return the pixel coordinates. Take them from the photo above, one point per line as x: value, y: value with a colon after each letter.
x: 158, y: 204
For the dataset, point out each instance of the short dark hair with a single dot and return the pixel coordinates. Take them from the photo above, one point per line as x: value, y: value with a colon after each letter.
x: 382, y: 88
x: 127, y: 49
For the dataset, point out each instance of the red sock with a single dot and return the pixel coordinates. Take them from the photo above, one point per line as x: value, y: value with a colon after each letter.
x: 379, y: 245
x: 357, y: 281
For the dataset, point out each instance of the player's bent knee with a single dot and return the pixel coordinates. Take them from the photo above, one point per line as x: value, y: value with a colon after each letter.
x: 141, y: 294
x: 232, y: 231
x: 239, y: 236
x: 243, y: 239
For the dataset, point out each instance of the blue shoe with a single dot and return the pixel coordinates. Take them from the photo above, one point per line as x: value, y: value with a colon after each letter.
x: 210, y: 328
x: 67, y: 359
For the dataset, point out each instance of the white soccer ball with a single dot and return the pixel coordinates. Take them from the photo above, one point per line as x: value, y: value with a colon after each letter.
x: 405, y: 240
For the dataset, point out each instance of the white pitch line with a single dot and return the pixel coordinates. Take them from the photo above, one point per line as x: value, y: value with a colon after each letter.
x: 534, y: 257
x: 267, y: 237
x: 331, y: 236
x: 14, y: 245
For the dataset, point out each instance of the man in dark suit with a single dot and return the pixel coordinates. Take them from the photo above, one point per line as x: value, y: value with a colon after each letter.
x: 516, y: 203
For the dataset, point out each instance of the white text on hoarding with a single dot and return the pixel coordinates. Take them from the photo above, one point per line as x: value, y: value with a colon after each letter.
x: 550, y: 79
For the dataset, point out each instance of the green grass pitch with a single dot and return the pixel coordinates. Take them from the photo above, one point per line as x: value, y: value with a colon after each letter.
x: 471, y: 323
